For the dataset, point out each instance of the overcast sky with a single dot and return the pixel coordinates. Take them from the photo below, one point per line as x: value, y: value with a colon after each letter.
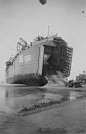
x: 28, y: 19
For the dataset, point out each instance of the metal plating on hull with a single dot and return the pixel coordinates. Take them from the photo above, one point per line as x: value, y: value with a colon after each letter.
x: 38, y: 60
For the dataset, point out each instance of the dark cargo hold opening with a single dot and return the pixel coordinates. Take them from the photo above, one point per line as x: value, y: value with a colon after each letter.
x: 54, y: 59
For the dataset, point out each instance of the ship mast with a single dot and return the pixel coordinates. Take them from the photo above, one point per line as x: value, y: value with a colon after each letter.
x: 48, y: 31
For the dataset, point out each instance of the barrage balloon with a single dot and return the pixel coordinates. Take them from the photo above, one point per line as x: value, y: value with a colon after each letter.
x: 83, y: 11
x: 43, y: 1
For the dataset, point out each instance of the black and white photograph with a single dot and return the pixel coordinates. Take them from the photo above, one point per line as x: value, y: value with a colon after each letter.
x: 42, y: 66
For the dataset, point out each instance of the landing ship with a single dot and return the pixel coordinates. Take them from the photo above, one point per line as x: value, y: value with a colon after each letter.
x: 39, y: 59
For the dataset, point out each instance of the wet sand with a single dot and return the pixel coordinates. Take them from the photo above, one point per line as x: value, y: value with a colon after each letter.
x: 68, y: 117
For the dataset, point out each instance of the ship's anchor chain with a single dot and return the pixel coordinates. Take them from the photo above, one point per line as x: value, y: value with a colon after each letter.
x: 41, y: 105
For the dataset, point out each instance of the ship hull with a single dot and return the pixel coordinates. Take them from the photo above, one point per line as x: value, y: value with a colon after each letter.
x: 44, y: 58
x: 30, y: 80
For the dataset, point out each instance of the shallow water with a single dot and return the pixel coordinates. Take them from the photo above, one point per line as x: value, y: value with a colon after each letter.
x: 16, y: 97
x: 69, y: 118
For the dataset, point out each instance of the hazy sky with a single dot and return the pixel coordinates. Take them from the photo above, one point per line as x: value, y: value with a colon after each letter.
x: 28, y: 19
